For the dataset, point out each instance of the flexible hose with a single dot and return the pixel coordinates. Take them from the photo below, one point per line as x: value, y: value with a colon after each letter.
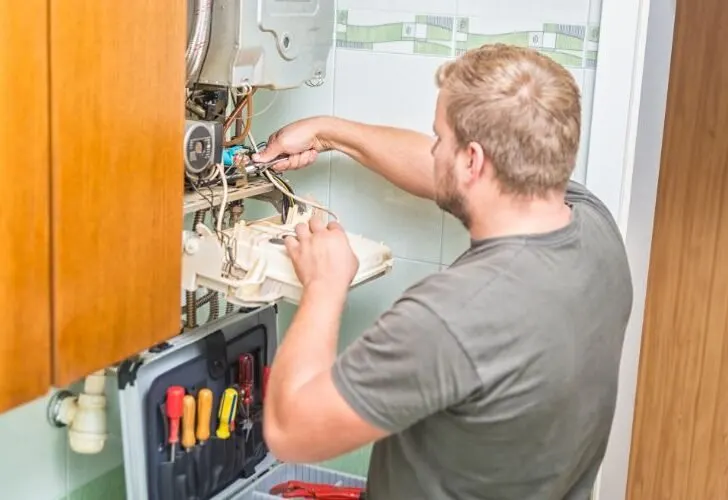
x: 199, y: 39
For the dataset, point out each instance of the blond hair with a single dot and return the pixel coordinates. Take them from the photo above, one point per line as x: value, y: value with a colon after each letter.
x: 522, y: 107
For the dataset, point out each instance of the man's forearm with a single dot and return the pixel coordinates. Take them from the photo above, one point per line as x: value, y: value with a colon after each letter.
x: 401, y: 156
x: 308, y: 348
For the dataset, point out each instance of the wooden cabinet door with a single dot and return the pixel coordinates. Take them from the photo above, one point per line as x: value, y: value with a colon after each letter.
x: 117, y: 121
x: 680, y: 437
x: 24, y: 208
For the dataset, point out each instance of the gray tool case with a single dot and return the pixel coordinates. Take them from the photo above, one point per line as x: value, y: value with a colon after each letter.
x: 229, y: 469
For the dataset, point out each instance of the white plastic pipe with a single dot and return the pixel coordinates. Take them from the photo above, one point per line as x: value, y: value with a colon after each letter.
x: 85, y: 416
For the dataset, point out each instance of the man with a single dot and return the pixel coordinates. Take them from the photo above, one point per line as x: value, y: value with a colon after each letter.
x: 495, y: 378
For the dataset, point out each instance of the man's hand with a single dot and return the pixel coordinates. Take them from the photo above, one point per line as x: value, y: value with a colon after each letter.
x: 322, y: 256
x: 299, y: 140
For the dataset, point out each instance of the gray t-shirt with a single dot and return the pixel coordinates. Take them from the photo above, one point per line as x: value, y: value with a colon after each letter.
x: 497, y: 377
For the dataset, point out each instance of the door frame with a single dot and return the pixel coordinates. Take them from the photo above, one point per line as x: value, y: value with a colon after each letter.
x: 628, y: 117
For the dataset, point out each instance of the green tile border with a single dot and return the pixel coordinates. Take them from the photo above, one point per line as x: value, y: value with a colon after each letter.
x: 428, y: 35
x: 574, y: 46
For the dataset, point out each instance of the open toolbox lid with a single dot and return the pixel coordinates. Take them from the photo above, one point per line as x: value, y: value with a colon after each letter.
x: 237, y: 468
x: 253, y: 268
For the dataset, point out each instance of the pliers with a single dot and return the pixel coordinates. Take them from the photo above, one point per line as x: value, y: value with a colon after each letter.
x: 300, y: 489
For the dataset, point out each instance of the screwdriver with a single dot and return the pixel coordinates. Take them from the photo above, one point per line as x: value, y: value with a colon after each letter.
x: 204, y: 411
x: 226, y: 414
x: 175, y: 394
x: 245, y: 379
x: 188, y: 422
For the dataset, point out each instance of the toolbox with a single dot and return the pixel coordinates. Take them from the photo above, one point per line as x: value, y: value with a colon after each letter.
x: 233, y: 352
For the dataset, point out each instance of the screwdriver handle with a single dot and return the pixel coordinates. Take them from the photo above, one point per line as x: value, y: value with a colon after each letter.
x: 188, y: 422
x: 226, y: 415
x: 246, y: 368
x: 175, y: 394
x: 204, y: 411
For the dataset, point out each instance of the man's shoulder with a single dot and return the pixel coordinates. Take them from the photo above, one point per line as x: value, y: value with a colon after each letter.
x: 578, y: 194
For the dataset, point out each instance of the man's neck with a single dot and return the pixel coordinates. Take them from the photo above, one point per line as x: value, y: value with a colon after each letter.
x: 511, y: 217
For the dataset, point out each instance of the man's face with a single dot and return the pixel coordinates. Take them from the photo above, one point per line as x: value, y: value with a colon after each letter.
x: 448, y: 157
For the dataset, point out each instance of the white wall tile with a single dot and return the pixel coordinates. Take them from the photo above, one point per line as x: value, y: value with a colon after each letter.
x: 587, y: 101
x: 371, y: 17
x: 496, y: 16
x: 398, y: 91
x: 595, y: 11
x: 391, y: 89
x: 369, y: 205
x: 413, y: 6
x: 33, y: 456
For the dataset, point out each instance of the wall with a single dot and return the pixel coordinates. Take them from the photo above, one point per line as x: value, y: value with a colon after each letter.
x: 639, y: 206
x: 382, y: 71
x: 36, y: 463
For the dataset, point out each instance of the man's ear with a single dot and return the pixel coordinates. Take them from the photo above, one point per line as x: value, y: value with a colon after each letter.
x: 478, y: 162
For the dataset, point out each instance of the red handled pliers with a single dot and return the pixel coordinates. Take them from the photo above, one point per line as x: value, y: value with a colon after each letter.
x: 300, y: 489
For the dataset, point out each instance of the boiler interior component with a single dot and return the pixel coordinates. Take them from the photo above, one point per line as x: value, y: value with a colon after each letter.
x: 275, y: 44
x: 202, y: 146
x: 199, y: 19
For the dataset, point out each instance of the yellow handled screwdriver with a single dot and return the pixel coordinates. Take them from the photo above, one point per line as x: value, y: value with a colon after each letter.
x: 204, y: 412
x: 226, y: 414
x: 188, y: 422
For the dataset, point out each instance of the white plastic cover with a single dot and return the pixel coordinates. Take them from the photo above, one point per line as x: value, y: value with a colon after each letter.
x: 257, y: 270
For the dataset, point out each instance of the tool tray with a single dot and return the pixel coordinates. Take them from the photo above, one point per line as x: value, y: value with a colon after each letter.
x: 237, y: 468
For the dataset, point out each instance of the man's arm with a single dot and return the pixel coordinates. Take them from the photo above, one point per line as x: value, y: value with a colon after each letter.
x: 306, y: 420
x: 403, y: 157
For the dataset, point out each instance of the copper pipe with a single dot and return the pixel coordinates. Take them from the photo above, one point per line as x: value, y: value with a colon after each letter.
x: 240, y: 138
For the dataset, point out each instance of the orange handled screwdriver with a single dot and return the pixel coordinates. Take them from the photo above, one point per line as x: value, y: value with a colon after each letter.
x: 204, y: 411
x: 175, y: 394
x: 188, y: 422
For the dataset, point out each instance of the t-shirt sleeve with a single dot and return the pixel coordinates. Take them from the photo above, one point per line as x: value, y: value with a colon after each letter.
x: 406, y: 367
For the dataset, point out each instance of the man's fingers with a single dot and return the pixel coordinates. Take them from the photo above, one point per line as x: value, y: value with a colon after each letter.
x: 292, y: 245
x: 282, y: 166
x: 308, y: 157
x: 302, y: 231
x: 317, y: 225
x: 272, y: 150
x: 335, y: 226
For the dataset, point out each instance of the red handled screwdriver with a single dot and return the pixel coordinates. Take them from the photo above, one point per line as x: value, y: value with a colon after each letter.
x: 246, y: 368
x: 175, y: 395
x: 245, y: 381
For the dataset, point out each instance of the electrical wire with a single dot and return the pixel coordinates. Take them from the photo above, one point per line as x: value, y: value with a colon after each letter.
x: 283, y: 189
x: 276, y: 182
x: 223, y: 203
